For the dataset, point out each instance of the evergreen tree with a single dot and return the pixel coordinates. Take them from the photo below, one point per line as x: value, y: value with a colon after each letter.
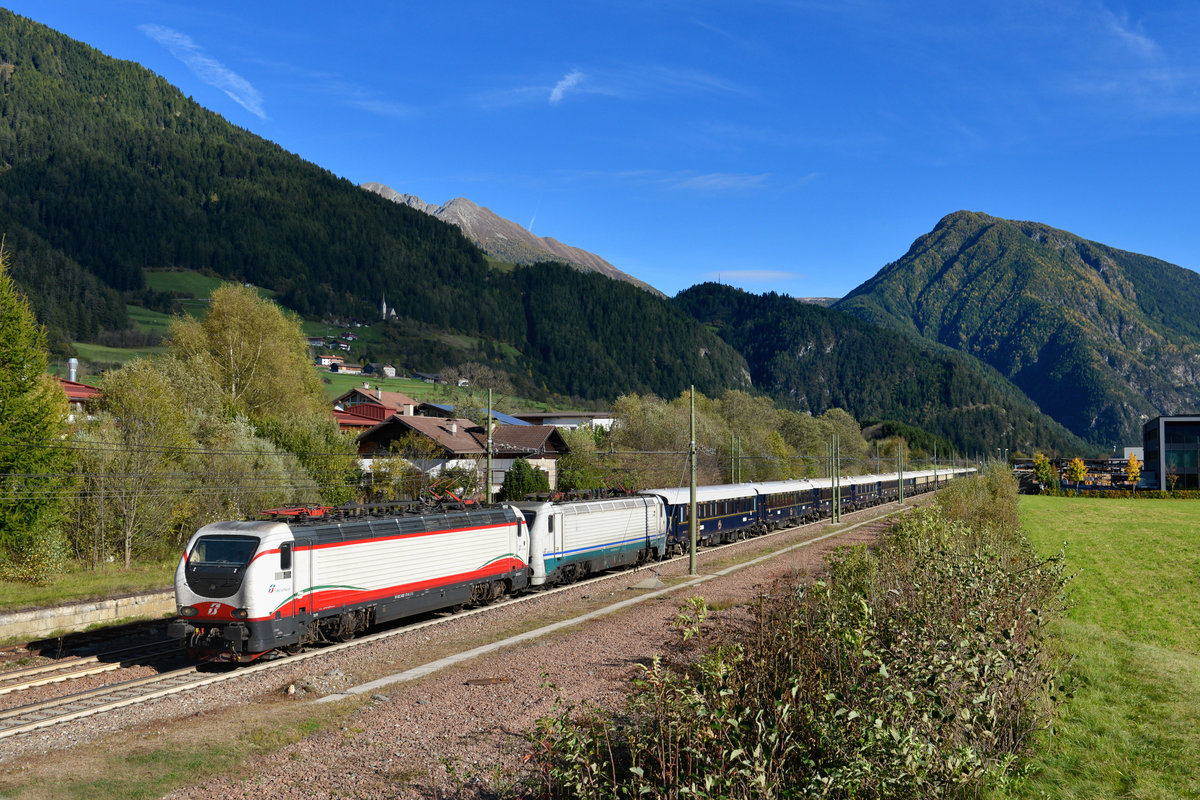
x: 35, y: 466
x: 522, y: 480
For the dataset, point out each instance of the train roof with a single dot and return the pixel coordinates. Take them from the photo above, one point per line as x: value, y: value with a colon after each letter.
x: 704, y: 494
x: 584, y: 506
x: 775, y: 487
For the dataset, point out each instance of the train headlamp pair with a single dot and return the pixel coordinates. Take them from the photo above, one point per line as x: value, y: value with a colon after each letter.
x: 191, y: 611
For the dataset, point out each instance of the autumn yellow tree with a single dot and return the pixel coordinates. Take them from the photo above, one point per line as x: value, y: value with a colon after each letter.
x: 1077, y: 472
x: 1134, y: 472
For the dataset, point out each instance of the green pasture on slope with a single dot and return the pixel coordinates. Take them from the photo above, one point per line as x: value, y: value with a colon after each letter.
x: 1130, y: 726
x: 98, y: 353
x: 189, y: 282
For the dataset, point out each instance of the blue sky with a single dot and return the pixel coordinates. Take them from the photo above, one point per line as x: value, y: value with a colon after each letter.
x: 795, y: 146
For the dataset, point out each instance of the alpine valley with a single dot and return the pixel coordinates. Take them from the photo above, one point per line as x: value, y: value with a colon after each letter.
x: 985, y: 330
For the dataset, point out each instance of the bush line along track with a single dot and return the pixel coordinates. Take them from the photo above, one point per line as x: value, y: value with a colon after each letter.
x: 28, y: 718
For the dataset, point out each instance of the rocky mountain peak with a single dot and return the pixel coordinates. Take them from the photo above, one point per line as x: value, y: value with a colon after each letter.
x: 504, y: 239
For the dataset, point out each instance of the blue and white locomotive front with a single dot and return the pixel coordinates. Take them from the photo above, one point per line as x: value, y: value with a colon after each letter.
x: 229, y: 585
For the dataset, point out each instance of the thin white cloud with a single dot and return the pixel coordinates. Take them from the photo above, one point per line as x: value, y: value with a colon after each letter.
x: 207, y: 68
x: 1134, y: 39
x: 564, y: 85
x: 382, y: 108
x: 631, y: 82
x: 720, y: 181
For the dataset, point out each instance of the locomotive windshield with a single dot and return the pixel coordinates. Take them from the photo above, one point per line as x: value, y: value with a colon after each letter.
x: 223, y: 551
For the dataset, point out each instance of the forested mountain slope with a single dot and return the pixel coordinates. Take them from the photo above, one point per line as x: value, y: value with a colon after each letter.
x: 814, y: 358
x: 1099, y: 338
x: 109, y: 170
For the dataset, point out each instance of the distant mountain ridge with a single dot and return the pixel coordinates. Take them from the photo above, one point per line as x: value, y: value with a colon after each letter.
x: 1100, y: 338
x: 504, y: 239
x: 813, y: 358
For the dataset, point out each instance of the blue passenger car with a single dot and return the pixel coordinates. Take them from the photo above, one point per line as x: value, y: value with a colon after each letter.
x: 783, y: 503
x: 727, y: 513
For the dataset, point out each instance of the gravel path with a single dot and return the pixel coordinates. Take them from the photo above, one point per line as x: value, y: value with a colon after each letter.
x: 395, y: 743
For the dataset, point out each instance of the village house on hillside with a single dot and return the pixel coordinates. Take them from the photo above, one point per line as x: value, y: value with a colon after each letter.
x: 457, y: 442
x: 363, y: 408
x: 569, y: 420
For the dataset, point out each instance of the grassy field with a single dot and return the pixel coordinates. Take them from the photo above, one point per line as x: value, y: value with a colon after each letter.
x: 98, y: 353
x: 189, y: 282
x: 149, y: 321
x: 1131, y: 725
x: 83, y: 585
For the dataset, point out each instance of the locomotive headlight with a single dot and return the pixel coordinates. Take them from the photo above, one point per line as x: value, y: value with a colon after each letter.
x: 241, y: 613
x: 188, y: 611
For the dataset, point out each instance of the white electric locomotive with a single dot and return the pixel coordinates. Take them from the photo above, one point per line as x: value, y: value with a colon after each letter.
x: 246, y: 588
x: 569, y: 540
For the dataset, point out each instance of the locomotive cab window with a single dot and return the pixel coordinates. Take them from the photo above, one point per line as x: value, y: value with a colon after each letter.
x: 223, y: 551
x: 285, y: 556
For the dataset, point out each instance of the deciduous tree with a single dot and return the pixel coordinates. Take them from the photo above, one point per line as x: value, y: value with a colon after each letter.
x: 1077, y: 472
x: 1134, y: 471
x: 149, y: 426
x: 255, y: 351
x: 1043, y: 470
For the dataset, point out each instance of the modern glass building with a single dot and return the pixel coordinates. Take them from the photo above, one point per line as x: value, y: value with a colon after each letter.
x: 1172, y: 446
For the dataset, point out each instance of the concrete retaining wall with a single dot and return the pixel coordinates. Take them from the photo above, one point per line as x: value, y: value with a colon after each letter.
x: 40, y: 622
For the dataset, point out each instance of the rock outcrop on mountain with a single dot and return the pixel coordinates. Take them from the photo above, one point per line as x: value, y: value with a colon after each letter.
x: 504, y: 239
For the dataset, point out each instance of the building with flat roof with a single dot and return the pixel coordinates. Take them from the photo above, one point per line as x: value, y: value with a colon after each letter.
x: 1172, y: 447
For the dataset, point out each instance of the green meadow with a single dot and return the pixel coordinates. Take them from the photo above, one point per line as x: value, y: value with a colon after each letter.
x: 1129, y: 725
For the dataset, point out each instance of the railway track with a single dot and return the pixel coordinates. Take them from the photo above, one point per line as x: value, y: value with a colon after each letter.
x: 17, y: 680
x: 33, y: 716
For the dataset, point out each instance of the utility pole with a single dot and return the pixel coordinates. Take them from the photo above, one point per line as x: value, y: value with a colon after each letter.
x: 837, y: 477
x: 900, y: 468
x: 693, y: 517
x: 488, y: 423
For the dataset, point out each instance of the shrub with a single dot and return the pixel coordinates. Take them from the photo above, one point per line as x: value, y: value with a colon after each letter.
x: 917, y: 672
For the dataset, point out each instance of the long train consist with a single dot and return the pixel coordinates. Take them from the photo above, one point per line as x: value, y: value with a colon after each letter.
x: 248, y: 588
